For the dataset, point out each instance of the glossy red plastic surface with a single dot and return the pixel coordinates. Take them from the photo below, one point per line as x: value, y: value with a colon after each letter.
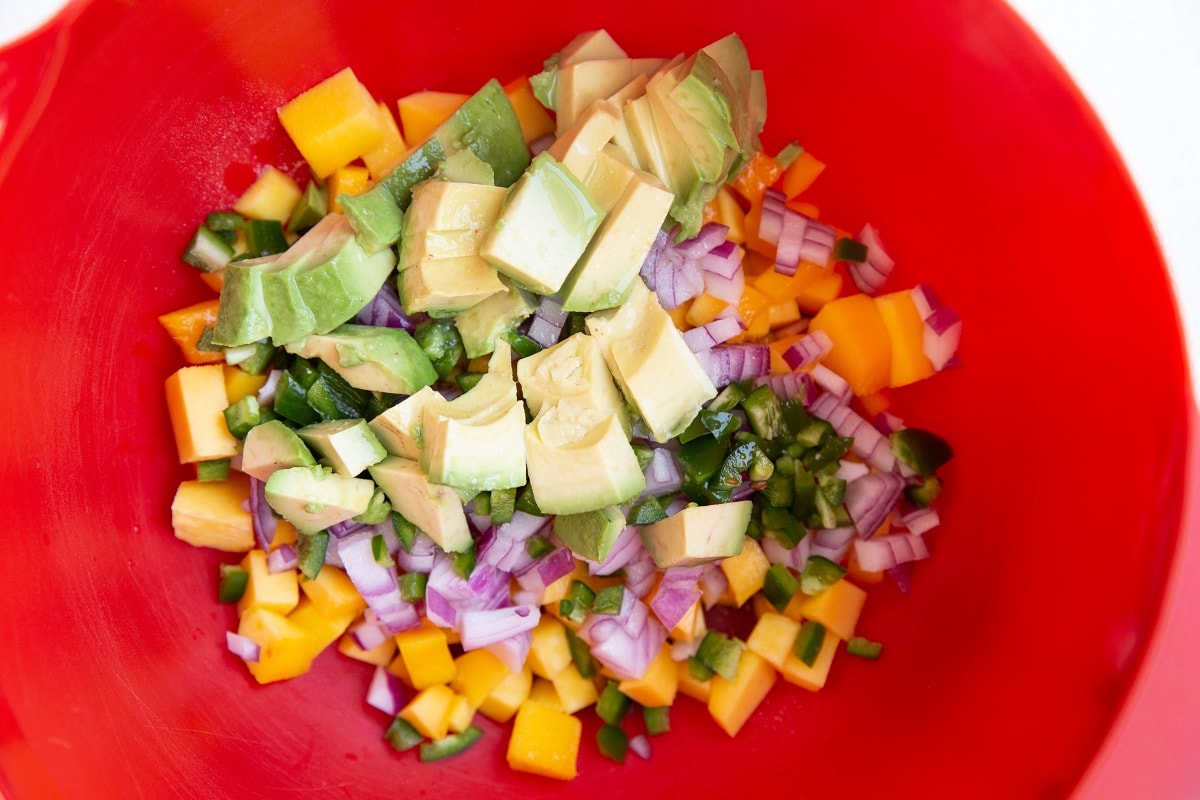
x: 947, y: 126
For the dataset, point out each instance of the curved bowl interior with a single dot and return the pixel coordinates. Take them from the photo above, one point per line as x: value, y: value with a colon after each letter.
x: 947, y: 126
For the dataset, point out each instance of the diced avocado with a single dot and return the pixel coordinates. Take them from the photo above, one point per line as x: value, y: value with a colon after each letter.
x: 399, y: 428
x: 476, y: 442
x: 347, y: 445
x: 273, y: 446
x: 579, y: 460
x: 448, y: 219
x: 638, y: 121
x: 436, y: 510
x: 418, y: 166
x: 466, y: 167
x: 443, y: 287
x: 313, y: 498
x: 572, y: 370
x: 309, y: 210
x: 592, y: 534
x: 483, y: 323
x: 375, y: 217
x: 698, y: 534
x: 379, y: 510
x: 321, y: 281
x: 652, y: 364
x: 544, y: 228
x: 487, y: 125
x: 581, y: 84
x: 603, y: 276
x: 371, y: 358
x: 590, y: 46
x: 611, y: 173
x: 577, y: 148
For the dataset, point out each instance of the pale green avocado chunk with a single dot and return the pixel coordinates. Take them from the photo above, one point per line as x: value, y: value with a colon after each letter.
x: 375, y: 217
x: 446, y: 286
x: 273, y: 446
x: 651, y: 363
x: 313, y: 498
x: 347, y: 445
x: 592, y: 534
x: 466, y: 167
x: 574, y: 371
x: 448, y: 219
x: 371, y: 358
x: 486, y: 321
x: 544, y: 227
x: 698, y: 534
x: 320, y: 282
x: 436, y: 510
x: 398, y: 428
x: 579, y: 460
x: 476, y: 442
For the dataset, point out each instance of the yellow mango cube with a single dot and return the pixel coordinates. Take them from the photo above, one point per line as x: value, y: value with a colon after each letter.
x: 429, y: 711
x: 907, y: 331
x: 812, y: 678
x: 321, y: 630
x: 837, y: 608
x: 285, y: 533
x: 460, y: 714
x: 543, y: 691
x: 333, y: 123
x: 773, y: 637
x: 692, y: 626
x: 285, y: 648
x: 549, y: 653
x: 745, y: 572
x: 731, y: 704
x: 506, y: 698
x: 380, y: 655
x: 691, y: 687
x: 278, y: 591
x: 333, y: 593
x: 396, y: 667
x: 273, y: 195
x: 391, y: 151
x: 426, y: 655
x: 422, y: 112
x: 783, y: 313
x: 545, y: 741
x: 348, y: 180
x: 239, y: 383
x: 658, y: 686
x: 196, y: 402
x: 556, y: 592
x: 477, y: 673
x: 210, y: 514
x: 574, y: 691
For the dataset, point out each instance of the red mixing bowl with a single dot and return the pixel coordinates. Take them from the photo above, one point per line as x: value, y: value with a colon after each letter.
x: 945, y: 124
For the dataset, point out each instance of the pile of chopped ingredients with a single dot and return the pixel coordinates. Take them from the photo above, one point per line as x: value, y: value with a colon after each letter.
x: 511, y: 403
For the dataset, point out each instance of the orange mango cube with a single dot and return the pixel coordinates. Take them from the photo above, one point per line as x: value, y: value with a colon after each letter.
x: 196, y: 402
x: 273, y: 195
x: 508, y: 696
x: 478, y: 673
x: 332, y: 593
x: 658, y: 686
x: 812, y: 678
x: 732, y: 703
x: 285, y: 650
x: 185, y: 327
x: 907, y: 332
x: 210, y: 514
x: 391, y: 151
x: 422, y: 112
x: 862, y: 346
x: 429, y: 711
x: 427, y: 658
x: 745, y: 571
x: 535, y: 121
x: 333, y: 123
x: 545, y: 741
x: 274, y: 591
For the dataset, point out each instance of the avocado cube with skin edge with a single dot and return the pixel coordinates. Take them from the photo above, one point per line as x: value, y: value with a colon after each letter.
x: 347, y: 445
x: 578, y: 148
x: 371, y: 358
x: 399, y: 427
x: 434, y: 509
x: 698, y: 534
x: 447, y: 286
x: 483, y: 323
x: 313, y: 498
x: 272, y: 446
x: 448, y: 219
x: 581, y: 84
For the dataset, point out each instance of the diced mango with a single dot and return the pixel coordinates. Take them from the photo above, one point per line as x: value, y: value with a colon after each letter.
x: 349, y: 180
x: 333, y: 593
x: 783, y: 313
x: 678, y: 315
x: 391, y: 151
x: 726, y: 211
x: 273, y: 195
x: 704, y: 309
x: 877, y: 403
x: 545, y: 741
x: 732, y: 703
x: 380, y: 655
x: 543, y: 691
x: 274, y: 591
x: 777, y: 348
x: 239, y: 383
x: 862, y: 347
x: 691, y: 626
x: 574, y: 691
x: 837, y: 608
x: 907, y: 332
x: 535, y: 121
x: 429, y: 711
x: 196, y: 402
x: 860, y: 576
x: 756, y: 176
x: 460, y: 715
x: 396, y: 667
x: 426, y: 655
x: 478, y: 673
x: 800, y: 174
x: 333, y: 123
x: 185, y: 327
x: 773, y: 637
x: 422, y: 112
x: 285, y: 533
x: 745, y: 571
x: 689, y: 685
x: 506, y: 698
x: 556, y: 591
x: 804, y: 207
x: 812, y: 678
x: 285, y: 649
x: 210, y: 514
x: 549, y: 653
x: 321, y: 630
x: 820, y: 292
x: 658, y: 686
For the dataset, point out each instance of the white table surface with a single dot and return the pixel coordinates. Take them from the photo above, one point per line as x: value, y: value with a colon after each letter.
x: 1137, y: 61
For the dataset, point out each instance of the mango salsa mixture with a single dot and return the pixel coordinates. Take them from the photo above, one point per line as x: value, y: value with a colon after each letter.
x: 551, y: 400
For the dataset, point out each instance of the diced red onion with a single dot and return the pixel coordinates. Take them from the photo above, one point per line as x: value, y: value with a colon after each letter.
x: 282, y: 559
x: 266, y: 392
x: 790, y: 385
x: 385, y: 310
x: 641, y: 745
x: 723, y: 284
x: 720, y: 330
x: 869, y: 444
x: 849, y: 470
x: 925, y: 299
x: 712, y: 585
x: 870, y: 499
x: 676, y: 505
x: 795, y: 558
x: 242, y: 646
x: 420, y: 559
x: 369, y: 634
x: 724, y: 261
x: 439, y: 610
x: 539, y: 145
x: 789, y: 248
x: 525, y: 597
x: 377, y: 585
x: 548, y: 322
x: 869, y: 275
x: 619, y: 643
x: 710, y: 235
x: 479, y: 628
x: 624, y: 550
x: 886, y: 552
x: 831, y: 382
x: 832, y: 543
x: 807, y: 350
x: 345, y: 528
x: 943, y: 330
x: 677, y: 278
x: 386, y: 692
x: 920, y: 520
x: 902, y: 574
x: 664, y: 474
x: 678, y: 591
x: 683, y: 650
x: 261, y: 517
x: 332, y: 557
x: 888, y: 424
x: 512, y: 651
x: 640, y: 574
x: 551, y: 567
x: 774, y: 204
x: 730, y: 363
x: 742, y: 491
